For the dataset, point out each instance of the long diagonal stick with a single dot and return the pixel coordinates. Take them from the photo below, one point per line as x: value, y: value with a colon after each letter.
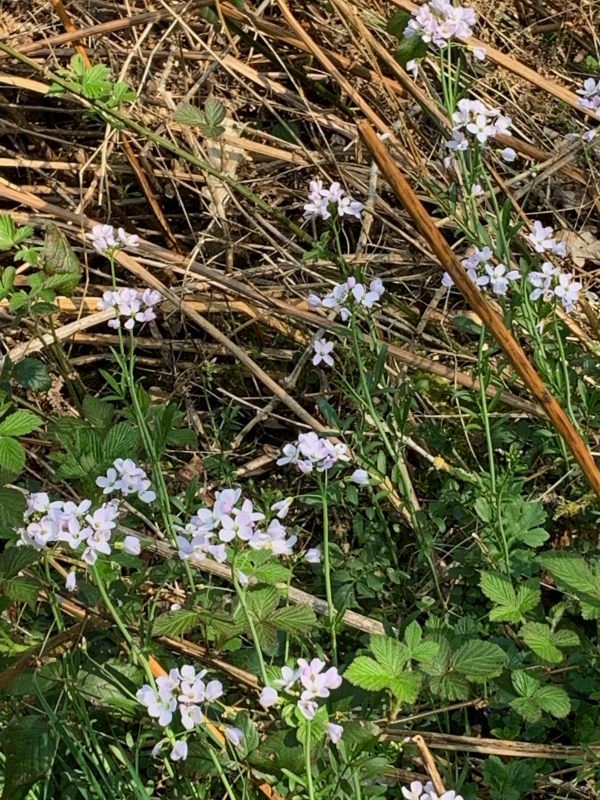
x: 493, y: 322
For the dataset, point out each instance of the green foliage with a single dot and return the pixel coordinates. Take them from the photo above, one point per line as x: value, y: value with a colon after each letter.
x: 60, y: 259
x: 573, y: 571
x: 511, y: 604
x: 12, y: 508
x: 508, y: 780
x: 209, y: 120
x: 534, y: 698
x: 11, y: 236
x: 12, y: 452
x: 32, y: 374
x: 94, y: 83
x: 28, y: 746
x: 391, y: 666
x: 546, y: 643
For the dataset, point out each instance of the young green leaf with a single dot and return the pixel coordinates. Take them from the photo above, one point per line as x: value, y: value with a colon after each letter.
x: 406, y: 686
x: 10, y: 235
x: 299, y: 619
x: 546, y: 643
x: 391, y: 654
x: 19, y: 423
x: 554, y: 700
x: 32, y: 374
x: 12, y: 454
x: 367, y: 674
x: 479, y: 660
x: 15, y: 559
x: 572, y: 571
x: 187, y: 114
x: 176, y: 623
x: 396, y: 25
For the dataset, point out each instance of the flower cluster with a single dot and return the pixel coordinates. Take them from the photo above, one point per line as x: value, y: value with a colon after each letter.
x: 419, y: 792
x: 132, y: 304
x: 350, y: 291
x: 233, y: 518
x: 439, y: 22
x: 310, y: 681
x: 127, y: 478
x: 590, y: 95
x: 474, y: 119
x: 551, y: 282
x: 322, y: 201
x: 105, y: 238
x: 313, y: 452
x: 484, y: 274
x: 182, y: 690
x: 76, y: 524
x: 542, y: 239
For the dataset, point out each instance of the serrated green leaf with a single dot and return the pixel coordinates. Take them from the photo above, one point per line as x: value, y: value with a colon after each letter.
x: 7, y: 279
x: 95, y: 83
x: 366, y: 673
x: 12, y: 508
x: 15, y: 559
x: 10, y: 235
x: 214, y: 111
x: 406, y: 686
x: 28, y: 749
x: 528, y: 597
x: 524, y: 683
x: 272, y: 572
x: 187, y: 114
x: 297, y: 619
x: 527, y: 707
x: 565, y: 638
x: 450, y: 687
x: 538, y: 637
x: 121, y: 441
x: 32, y: 374
x: 176, y: 623
x: 12, y: 455
x: 479, y: 660
x: 554, y: 700
x: 425, y: 652
x: 99, y: 412
x: 508, y: 781
x: 498, y: 588
x: 572, y: 571
x: 391, y: 654
x: 21, y: 590
x: 262, y: 602
x: 19, y: 423
x: 413, y: 635
x: 58, y: 255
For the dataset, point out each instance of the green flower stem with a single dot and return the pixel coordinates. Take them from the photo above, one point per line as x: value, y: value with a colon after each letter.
x: 242, y: 599
x: 308, y: 762
x: 331, y: 612
x: 228, y: 788
x: 120, y: 624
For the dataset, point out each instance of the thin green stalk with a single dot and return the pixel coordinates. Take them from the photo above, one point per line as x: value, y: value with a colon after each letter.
x: 331, y: 612
x: 228, y: 788
x: 242, y: 599
x: 308, y: 762
x: 120, y: 624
